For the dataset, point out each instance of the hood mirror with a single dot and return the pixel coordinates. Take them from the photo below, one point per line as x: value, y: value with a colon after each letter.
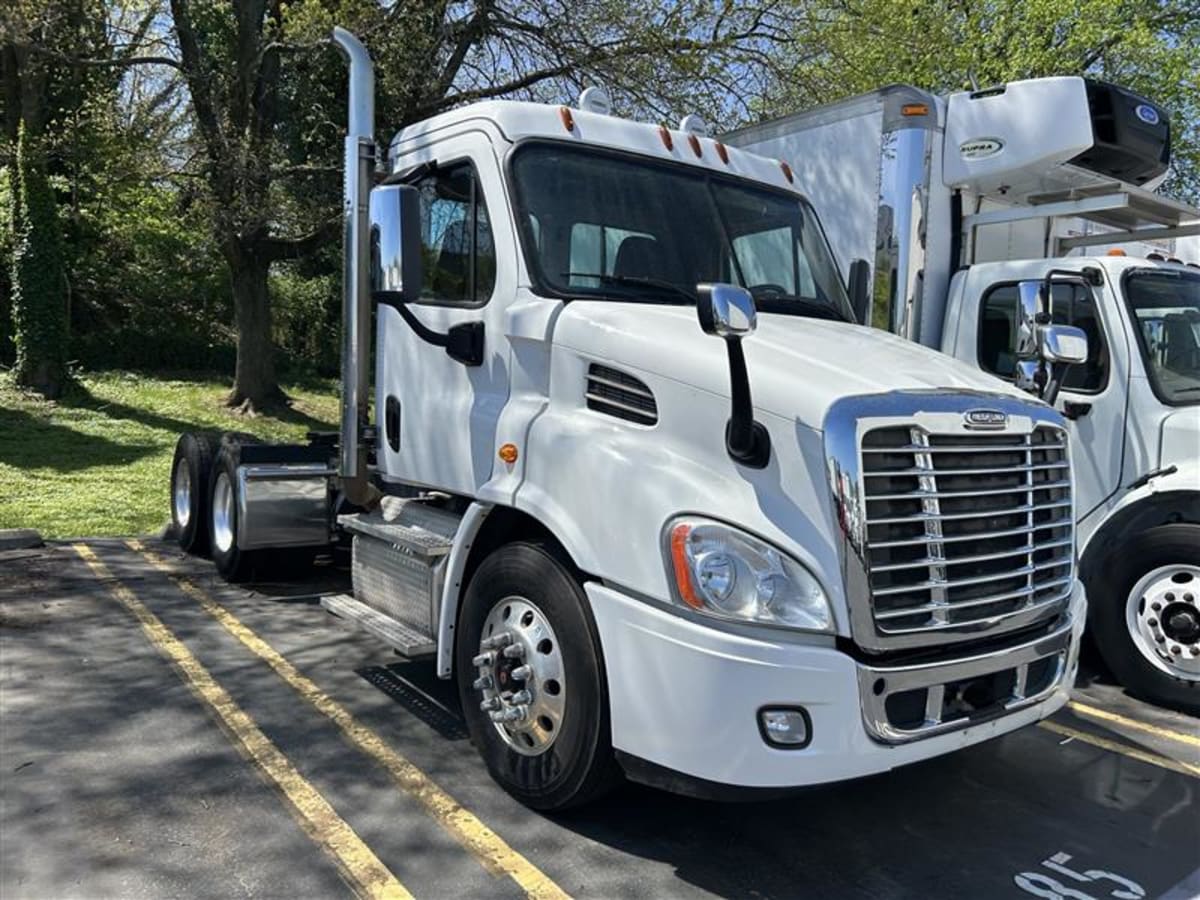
x: 727, y: 311
x: 1044, y: 350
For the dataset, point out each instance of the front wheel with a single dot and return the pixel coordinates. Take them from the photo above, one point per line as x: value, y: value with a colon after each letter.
x: 1146, y: 615
x: 531, y: 679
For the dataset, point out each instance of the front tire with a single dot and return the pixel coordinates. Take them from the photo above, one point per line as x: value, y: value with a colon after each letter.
x: 549, y: 744
x: 1146, y: 615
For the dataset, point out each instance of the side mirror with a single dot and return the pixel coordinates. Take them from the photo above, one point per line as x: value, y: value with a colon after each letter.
x: 726, y: 310
x: 1063, y: 344
x: 395, y: 216
x: 859, y: 283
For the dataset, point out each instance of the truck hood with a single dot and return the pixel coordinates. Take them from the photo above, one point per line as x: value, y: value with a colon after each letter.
x: 798, y: 366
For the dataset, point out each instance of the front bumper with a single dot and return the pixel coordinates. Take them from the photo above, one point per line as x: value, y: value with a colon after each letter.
x: 685, y: 697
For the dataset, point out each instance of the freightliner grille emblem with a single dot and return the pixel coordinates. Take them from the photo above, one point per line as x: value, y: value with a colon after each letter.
x: 985, y: 418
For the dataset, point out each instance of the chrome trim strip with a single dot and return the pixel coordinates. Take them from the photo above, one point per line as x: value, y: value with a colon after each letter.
x: 962, y: 560
x: 943, y: 495
x: 935, y: 677
x: 620, y: 386
x: 985, y: 514
x: 998, y: 448
x: 901, y: 473
x: 940, y: 413
x: 977, y: 601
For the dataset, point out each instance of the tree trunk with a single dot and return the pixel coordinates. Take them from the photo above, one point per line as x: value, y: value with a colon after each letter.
x: 255, y: 387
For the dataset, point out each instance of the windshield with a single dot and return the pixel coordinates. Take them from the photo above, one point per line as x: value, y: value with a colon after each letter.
x: 1166, y: 305
x: 604, y: 225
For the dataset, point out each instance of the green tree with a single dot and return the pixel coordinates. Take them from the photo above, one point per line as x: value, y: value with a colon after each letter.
x: 1150, y: 46
x: 39, y: 297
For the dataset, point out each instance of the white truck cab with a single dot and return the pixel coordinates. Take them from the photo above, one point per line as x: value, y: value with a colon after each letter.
x: 635, y: 478
x: 977, y: 211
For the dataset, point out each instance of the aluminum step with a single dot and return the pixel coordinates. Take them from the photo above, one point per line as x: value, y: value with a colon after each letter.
x: 405, y: 639
x: 418, y: 527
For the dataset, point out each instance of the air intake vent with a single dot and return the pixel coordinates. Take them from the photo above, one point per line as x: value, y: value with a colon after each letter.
x: 614, y: 393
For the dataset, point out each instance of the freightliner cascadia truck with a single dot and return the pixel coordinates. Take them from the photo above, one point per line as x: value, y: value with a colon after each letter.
x: 973, y: 210
x: 634, y: 477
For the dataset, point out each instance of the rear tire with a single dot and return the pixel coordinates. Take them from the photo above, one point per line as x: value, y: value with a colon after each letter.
x: 191, y: 470
x: 1159, y: 566
x: 565, y: 757
x: 234, y: 564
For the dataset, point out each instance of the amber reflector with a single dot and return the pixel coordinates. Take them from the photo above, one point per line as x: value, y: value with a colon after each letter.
x: 683, y: 571
x: 914, y: 109
x: 568, y: 120
x: 666, y: 137
x: 508, y: 453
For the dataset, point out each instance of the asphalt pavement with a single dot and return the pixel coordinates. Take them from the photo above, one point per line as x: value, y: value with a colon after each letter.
x: 163, y: 734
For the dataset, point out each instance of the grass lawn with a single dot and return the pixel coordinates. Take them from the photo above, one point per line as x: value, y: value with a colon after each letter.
x: 97, y: 461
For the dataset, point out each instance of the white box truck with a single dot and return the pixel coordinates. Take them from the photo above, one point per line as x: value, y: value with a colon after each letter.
x: 977, y: 209
x: 816, y: 552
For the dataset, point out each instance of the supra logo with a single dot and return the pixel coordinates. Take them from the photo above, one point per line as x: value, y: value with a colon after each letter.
x: 985, y: 418
x: 980, y: 148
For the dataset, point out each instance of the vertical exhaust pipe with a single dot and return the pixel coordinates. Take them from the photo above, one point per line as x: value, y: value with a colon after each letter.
x: 356, y: 293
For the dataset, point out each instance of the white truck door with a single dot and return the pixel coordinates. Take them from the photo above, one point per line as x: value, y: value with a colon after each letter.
x: 436, y: 416
x: 984, y: 329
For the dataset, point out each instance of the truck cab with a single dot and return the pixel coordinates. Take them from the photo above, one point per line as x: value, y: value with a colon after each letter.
x: 637, y: 480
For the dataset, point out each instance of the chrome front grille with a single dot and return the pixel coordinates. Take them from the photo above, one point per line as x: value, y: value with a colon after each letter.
x: 963, y: 530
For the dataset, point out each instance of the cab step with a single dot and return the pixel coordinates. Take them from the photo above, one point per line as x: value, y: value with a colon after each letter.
x: 418, y: 528
x: 405, y: 639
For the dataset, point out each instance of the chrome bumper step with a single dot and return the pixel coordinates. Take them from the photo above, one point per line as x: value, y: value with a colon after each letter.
x: 407, y: 640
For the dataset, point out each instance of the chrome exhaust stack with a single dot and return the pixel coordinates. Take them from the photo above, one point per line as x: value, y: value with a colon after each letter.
x: 359, y: 168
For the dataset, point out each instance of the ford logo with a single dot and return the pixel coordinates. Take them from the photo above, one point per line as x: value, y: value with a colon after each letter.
x: 985, y: 418
x: 1147, y: 113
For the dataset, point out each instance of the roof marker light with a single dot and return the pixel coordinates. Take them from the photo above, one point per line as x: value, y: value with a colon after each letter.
x: 594, y: 99
x: 787, y: 171
x: 568, y: 120
x: 723, y: 152
x: 694, y: 143
x: 1116, y: 251
x: 666, y: 137
x: 914, y: 109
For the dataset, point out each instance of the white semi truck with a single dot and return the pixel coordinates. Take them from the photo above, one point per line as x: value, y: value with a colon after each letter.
x: 815, y: 552
x: 974, y: 209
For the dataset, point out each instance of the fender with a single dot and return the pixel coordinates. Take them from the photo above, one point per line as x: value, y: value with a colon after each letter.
x: 1164, y: 500
x: 456, y: 567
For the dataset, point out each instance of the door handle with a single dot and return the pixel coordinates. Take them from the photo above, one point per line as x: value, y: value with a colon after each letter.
x: 1073, y: 410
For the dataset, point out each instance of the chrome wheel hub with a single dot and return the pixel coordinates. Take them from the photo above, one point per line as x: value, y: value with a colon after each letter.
x: 181, y: 494
x: 222, y: 513
x: 519, y: 676
x: 1163, y: 616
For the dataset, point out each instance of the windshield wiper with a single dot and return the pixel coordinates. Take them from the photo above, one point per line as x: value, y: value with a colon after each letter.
x: 786, y: 303
x: 636, y: 281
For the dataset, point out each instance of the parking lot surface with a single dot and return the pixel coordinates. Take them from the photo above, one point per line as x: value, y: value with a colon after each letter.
x: 165, y: 734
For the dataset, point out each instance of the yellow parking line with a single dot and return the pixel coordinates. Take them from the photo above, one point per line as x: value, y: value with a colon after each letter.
x: 1166, y: 733
x: 487, y: 846
x: 1132, y: 752
x: 366, y: 873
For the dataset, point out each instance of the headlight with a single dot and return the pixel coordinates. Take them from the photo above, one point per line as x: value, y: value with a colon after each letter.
x: 729, y: 574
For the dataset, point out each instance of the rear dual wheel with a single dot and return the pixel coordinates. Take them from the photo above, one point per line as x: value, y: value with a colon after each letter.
x: 531, y: 679
x: 191, y: 470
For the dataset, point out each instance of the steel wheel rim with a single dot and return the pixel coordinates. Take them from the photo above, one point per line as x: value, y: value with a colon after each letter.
x: 520, y: 677
x: 1163, y: 617
x: 222, y: 513
x: 181, y: 494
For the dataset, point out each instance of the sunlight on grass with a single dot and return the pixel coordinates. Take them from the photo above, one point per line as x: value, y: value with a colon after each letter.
x: 97, y: 462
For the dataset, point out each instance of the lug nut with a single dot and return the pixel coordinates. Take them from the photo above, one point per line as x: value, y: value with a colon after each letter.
x: 1156, y: 606
x: 522, y: 673
x: 490, y: 704
x: 483, y: 682
x: 1176, y: 649
x: 484, y: 659
x: 1153, y: 623
x: 511, y: 714
x: 1161, y: 638
x: 515, y: 651
x: 520, y: 698
x: 496, y: 641
x: 1189, y: 598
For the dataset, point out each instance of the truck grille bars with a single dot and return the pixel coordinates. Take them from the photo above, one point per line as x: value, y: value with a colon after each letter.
x: 953, y: 530
x: 964, y: 528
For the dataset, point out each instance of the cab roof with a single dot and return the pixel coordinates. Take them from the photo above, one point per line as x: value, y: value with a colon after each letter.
x: 518, y: 121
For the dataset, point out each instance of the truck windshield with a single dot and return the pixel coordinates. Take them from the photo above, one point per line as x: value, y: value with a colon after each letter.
x: 1166, y: 305
x: 599, y: 224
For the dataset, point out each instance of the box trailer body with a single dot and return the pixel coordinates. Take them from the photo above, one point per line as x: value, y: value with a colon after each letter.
x: 636, y: 479
x: 956, y: 202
